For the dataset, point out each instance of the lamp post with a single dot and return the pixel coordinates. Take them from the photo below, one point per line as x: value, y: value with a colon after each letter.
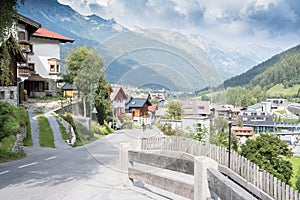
x: 91, y: 106
x: 229, y: 136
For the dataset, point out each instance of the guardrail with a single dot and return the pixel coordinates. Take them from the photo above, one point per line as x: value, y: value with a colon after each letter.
x: 193, y: 177
x: 252, y: 174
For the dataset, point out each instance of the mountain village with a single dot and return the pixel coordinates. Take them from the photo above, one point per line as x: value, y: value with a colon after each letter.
x: 36, y: 77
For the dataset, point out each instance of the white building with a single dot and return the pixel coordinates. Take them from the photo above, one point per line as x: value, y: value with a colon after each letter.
x: 45, y: 61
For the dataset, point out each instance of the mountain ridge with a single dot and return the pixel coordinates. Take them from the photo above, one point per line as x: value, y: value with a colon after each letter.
x: 93, y: 30
x: 281, y: 68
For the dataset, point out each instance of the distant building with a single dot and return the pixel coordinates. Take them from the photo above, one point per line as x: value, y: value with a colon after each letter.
x: 137, y: 110
x: 118, y: 99
x: 195, y: 108
x: 224, y: 110
x: 69, y: 90
x: 242, y: 132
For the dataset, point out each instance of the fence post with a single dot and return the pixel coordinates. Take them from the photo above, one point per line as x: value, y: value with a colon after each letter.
x: 201, y: 189
x: 123, y: 155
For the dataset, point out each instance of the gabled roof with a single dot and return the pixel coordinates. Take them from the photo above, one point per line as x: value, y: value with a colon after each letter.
x: 115, y: 91
x: 32, y: 26
x: 36, y: 78
x: 137, y: 103
x: 44, y: 33
x: 69, y: 86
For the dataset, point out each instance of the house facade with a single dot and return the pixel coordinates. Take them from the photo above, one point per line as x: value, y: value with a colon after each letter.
x: 18, y: 67
x: 243, y: 133
x: 118, y: 99
x: 137, y: 110
x: 195, y: 108
x: 45, y: 61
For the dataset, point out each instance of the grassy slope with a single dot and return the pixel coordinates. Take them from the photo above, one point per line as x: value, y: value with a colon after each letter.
x: 280, y: 90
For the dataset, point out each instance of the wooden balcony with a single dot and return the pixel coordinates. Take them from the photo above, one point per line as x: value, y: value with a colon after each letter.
x: 24, y: 71
x: 25, y: 46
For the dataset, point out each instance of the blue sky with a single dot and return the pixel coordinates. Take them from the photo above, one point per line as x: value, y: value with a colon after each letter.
x: 273, y: 23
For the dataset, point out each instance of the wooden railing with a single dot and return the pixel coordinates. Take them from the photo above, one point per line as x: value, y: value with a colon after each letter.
x: 238, y: 164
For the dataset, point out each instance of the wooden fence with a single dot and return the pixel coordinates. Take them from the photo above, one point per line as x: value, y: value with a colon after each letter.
x: 238, y: 164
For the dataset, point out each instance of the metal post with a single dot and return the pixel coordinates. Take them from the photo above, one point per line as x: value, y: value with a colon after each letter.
x: 229, y: 139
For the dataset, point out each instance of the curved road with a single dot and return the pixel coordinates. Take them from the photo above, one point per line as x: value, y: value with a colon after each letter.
x: 88, y: 172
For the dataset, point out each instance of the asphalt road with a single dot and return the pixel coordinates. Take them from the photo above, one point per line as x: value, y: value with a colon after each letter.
x: 88, y: 172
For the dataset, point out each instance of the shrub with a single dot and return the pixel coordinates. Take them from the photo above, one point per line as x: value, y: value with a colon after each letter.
x: 11, y: 119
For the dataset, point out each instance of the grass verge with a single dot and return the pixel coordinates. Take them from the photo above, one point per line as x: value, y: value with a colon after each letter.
x: 46, y: 136
x: 295, y: 160
x: 63, y: 131
x: 83, y: 135
x: 5, y: 149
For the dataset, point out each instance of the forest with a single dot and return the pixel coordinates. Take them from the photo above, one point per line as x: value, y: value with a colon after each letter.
x: 282, y: 68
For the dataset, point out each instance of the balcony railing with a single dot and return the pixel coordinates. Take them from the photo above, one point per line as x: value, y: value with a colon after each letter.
x: 24, y: 71
x: 25, y: 46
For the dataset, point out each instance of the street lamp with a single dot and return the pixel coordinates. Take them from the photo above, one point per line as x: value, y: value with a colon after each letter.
x: 229, y: 136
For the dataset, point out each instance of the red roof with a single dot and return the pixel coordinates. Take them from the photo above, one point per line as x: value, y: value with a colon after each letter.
x: 243, y: 130
x: 44, y: 33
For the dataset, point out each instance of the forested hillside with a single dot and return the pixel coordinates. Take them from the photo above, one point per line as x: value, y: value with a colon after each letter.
x: 282, y: 68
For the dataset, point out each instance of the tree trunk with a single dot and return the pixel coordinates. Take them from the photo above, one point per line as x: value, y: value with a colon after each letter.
x: 84, y: 105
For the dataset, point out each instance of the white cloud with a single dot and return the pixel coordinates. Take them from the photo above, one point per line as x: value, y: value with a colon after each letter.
x: 231, y: 18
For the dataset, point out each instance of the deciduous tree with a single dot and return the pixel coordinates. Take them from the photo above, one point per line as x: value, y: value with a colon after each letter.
x: 174, y: 110
x: 8, y: 29
x: 267, y: 151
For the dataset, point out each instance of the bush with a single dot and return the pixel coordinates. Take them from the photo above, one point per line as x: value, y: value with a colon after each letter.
x: 68, y: 118
x: 11, y: 119
x: 127, y: 125
x: 97, y: 129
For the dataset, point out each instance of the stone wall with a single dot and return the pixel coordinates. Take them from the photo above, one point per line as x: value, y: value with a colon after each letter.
x: 18, y: 146
x: 9, y: 94
x: 70, y: 131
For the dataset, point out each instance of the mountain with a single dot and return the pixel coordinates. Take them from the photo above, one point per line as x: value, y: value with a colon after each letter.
x: 189, y: 62
x: 89, y: 30
x: 282, y: 68
x: 85, y: 30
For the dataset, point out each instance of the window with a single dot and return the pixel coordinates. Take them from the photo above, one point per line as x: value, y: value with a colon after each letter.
x: 11, y: 95
x: 46, y: 86
x: 31, y: 48
x: 2, y: 94
x: 21, y: 35
x: 52, y: 68
x: 31, y: 67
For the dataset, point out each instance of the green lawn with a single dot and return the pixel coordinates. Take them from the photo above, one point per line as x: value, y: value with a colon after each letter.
x: 46, y: 136
x: 278, y: 90
x: 296, y: 166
